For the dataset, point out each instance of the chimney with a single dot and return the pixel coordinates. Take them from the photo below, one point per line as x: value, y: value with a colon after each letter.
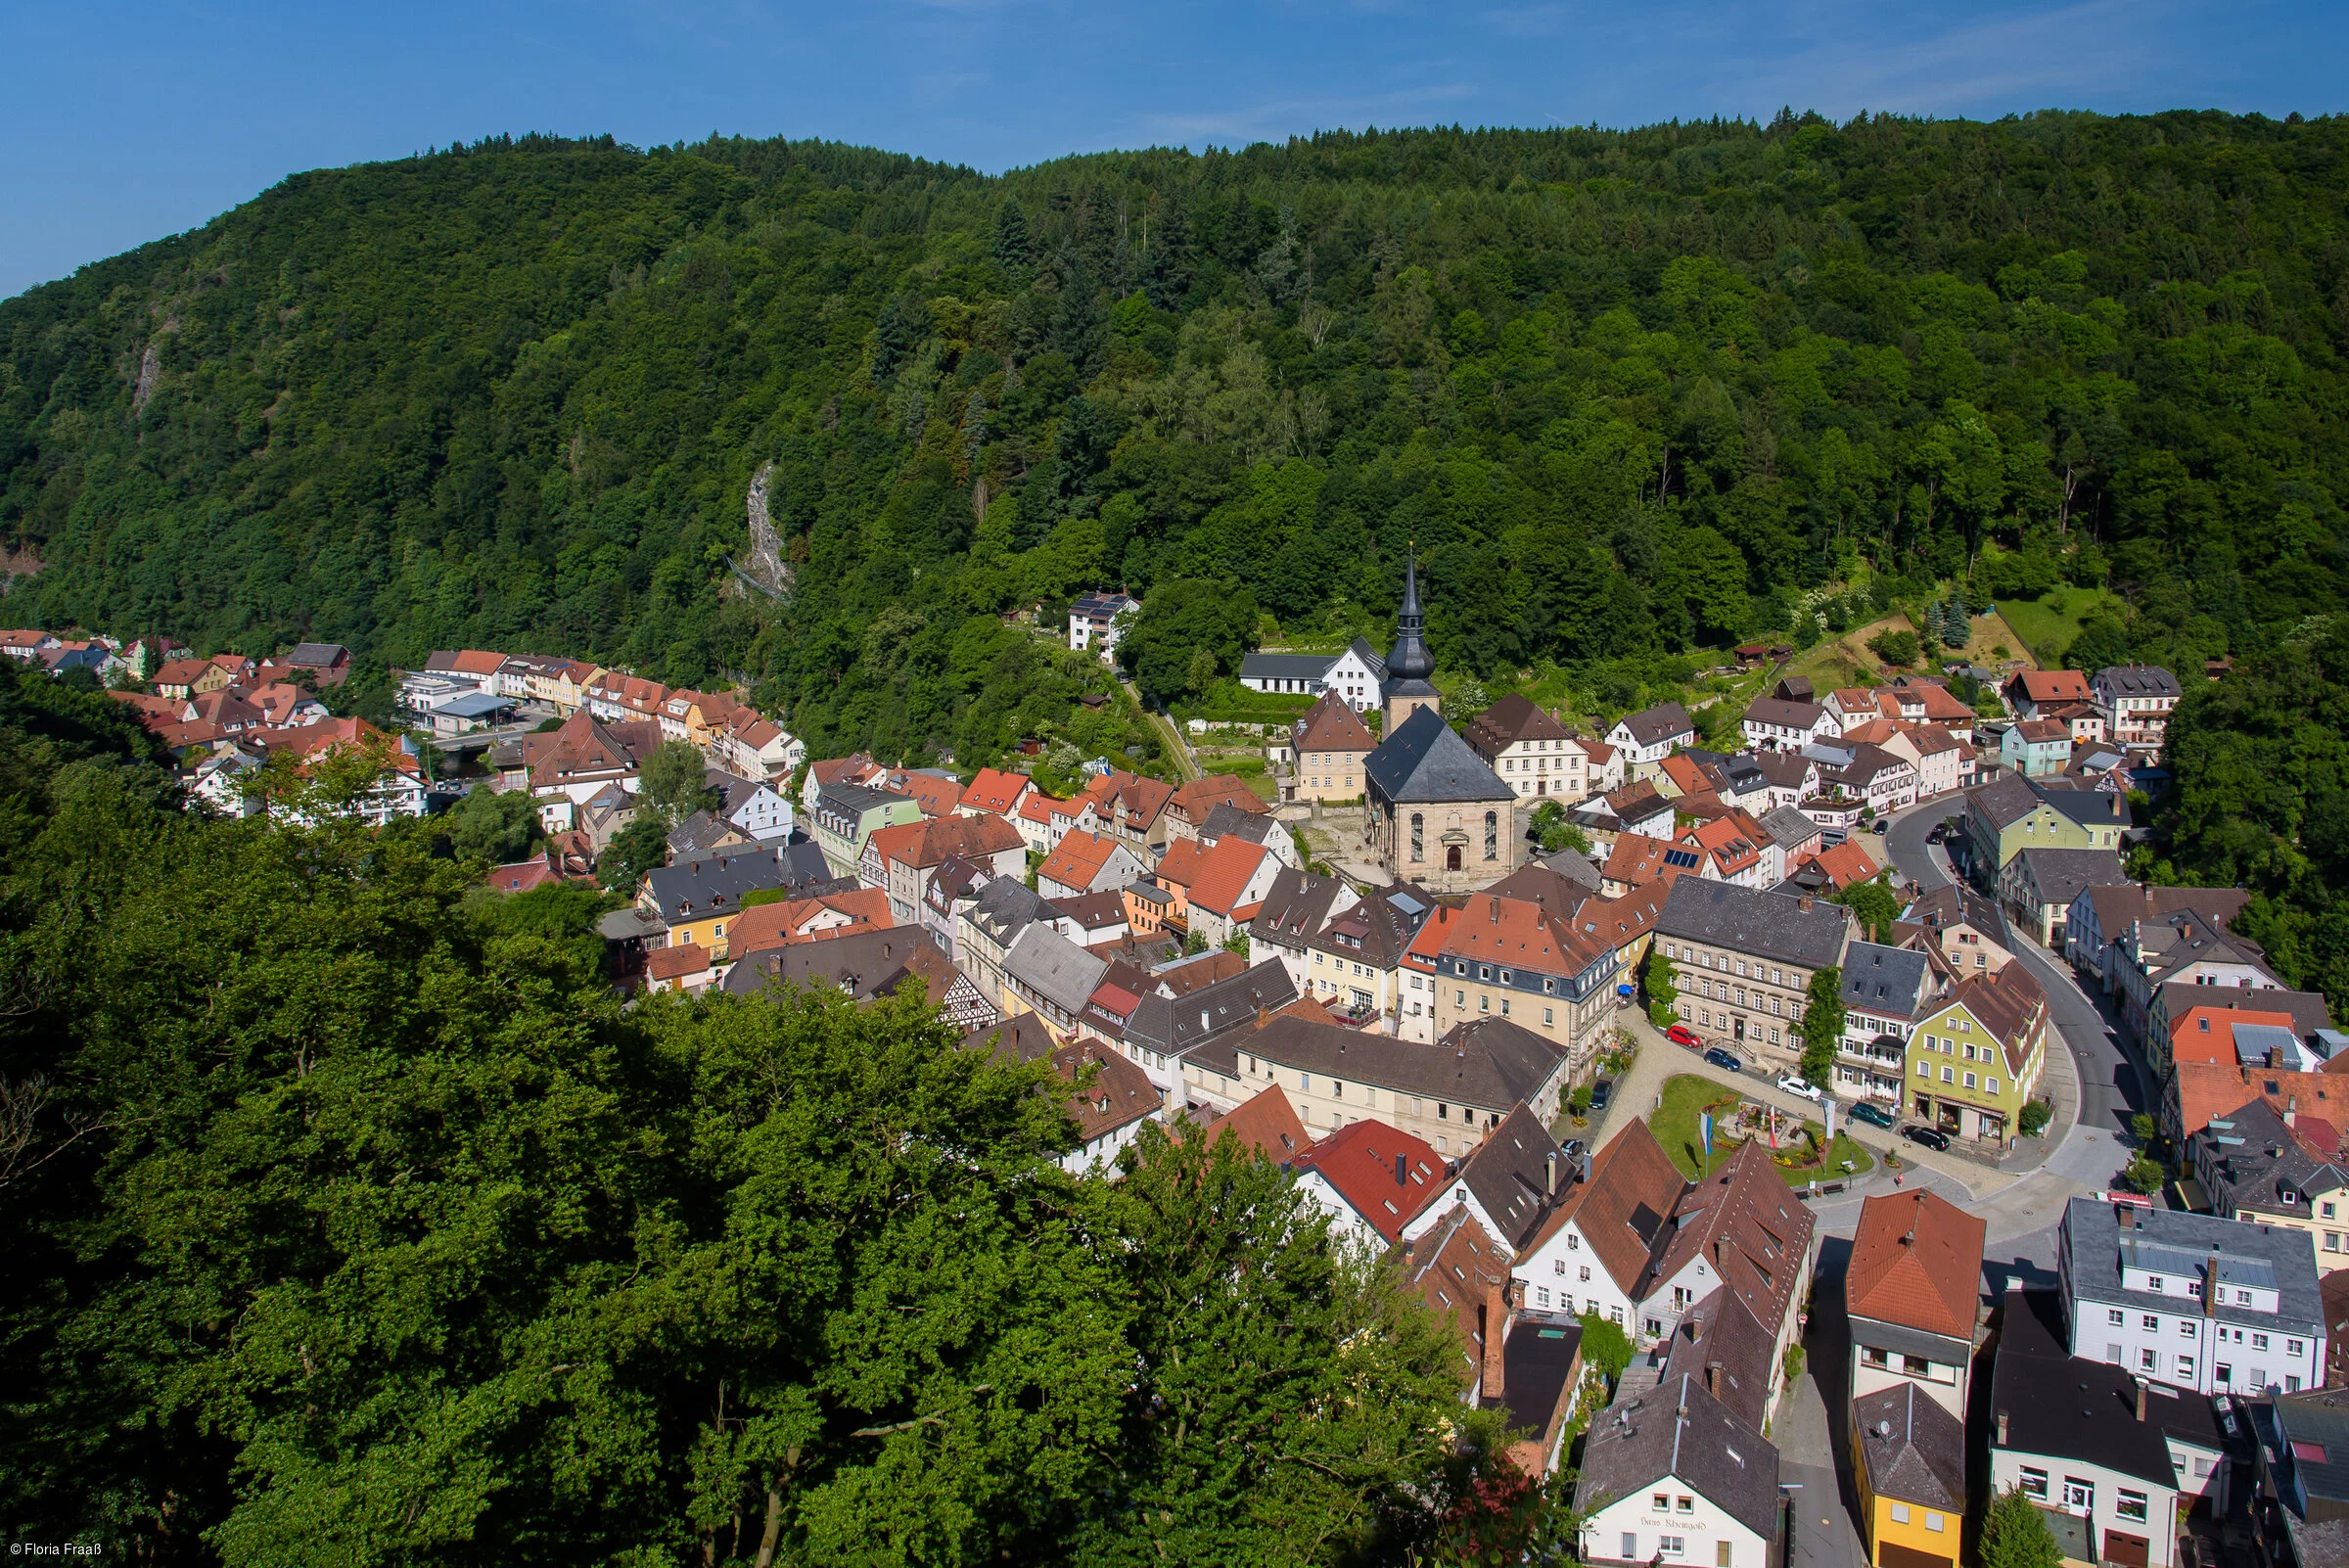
x: 1721, y: 1252
x: 2141, y: 1398
x: 1494, y: 1312
x: 1260, y: 1015
x: 2210, y: 1287
x: 1549, y: 1174
x: 1713, y: 1379
x: 1400, y: 1162
x: 1805, y: 902
x: 2291, y: 1102
x: 2002, y: 1429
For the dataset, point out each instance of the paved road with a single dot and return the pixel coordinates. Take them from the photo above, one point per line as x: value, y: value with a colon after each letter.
x: 2113, y: 1082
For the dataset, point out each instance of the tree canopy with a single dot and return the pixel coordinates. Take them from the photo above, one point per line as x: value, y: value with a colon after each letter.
x: 350, y: 1219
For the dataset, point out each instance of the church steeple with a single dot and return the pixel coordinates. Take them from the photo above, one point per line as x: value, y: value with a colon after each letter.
x: 1410, y: 659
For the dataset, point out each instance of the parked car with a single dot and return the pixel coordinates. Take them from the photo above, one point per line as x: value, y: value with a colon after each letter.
x: 1793, y: 1083
x: 1873, y: 1115
x: 1941, y: 831
x: 1930, y: 1136
x: 1600, y: 1092
x: 1574, y: 1148
x: 1724, y: 1060
x: 1683, y: 1035
x: 1881, y: 824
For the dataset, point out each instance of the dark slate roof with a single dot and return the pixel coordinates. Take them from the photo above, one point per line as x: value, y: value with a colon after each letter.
x: 1536, y: 1361
x: 2254, y: 1159
x: 1722, y: 1330
x: 1660, y: 722
x: 2062, y: 874
x: 2005, y: 800
x: 2137, y: 681
x: 318, y: 655
x: 1377, y: 930
x: 2061, y: 1408
x: 805, y: 870
x: 1878, y: 979
x: 853, y: 801
x: 715, y: 883
x: 699, y: 835
x: 1787, y: 824
x: 1257, y: 827
x: 2088, y: 808
x: 1005, y: 905
x: 863, y: 963
x: 1426, y: 761
x: 1285, y: 666
x: 1768, y: 925
x: 1295, y: 909
x: 1575, y: 867
x: 1675, y: 1428
x: 1916, y: 1449
x: 1172, y: 1025
x: 1511, y: 1174
x: 1487, y: 1063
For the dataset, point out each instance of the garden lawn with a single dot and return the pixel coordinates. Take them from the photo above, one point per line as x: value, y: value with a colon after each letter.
x: 2048, y: 624
x: 1674, y: 1126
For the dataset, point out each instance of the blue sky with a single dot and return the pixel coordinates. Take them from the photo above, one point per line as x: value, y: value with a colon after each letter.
x: 126, y: 123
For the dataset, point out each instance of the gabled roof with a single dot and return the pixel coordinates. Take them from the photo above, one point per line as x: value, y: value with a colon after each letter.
x: 866, y: 964
x: 934, y: 841
x: 1515, y: 717
x: 994, y: 790
x: 2007, y: 1003
x: 1488, y: 1062
x: 1266, y: 1122
x: 2061, y: 1406
x: 1783, y: 715
x: 1844, y: 864
x: 1749, y: 1228
x: 1719, y: 1331
x: 1651, y: 726
x: 1225, y: 874
x: 2053, y: 686
x: 1220, y: 1009
x: 2062, y: 874
x: 2137, y: 680
x: 1917, y: 1261
x: 681, y: 962
x: 1515, y: 1175
x: 1330, y: 725
x: 1021, y: 1038
x: 1634, y: 859
x: 1622, y: 1208
x: 1878, y: 979
x: 1229, y: 820
x: 2207, y: 1089
x: 1179, y: 867
x: 824, y: 917
x: 1522, y: 934
x: 1078, y: 862
x: 1384, y: 1173
x: 1426, y: 762
x: 1119, y: 1096
x: 1678, y: 1429
x: 1054, y: 967
x: 1745, y: 920
x: 1916, y: 1449
x: 1296, y: 907
x: 1377, y: 931
x: 1201, y: 796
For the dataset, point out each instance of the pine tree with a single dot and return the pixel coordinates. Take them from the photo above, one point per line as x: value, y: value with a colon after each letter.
x: 1011, y: 248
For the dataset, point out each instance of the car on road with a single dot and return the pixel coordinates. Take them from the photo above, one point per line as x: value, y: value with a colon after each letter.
x: 1941, y: 831
x: 1873, y: 1115
x: 1794, y: 1085
x: 1881, y: 824
x: 1683, y: 1035
x: 1600, y: 1092
x: 1930, y: 1136
x: 1724, y: 1060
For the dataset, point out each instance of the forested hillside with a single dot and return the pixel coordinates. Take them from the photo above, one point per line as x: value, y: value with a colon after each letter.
x: 1631, y: 392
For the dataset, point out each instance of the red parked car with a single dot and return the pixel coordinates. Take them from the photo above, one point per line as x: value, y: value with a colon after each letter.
x: 1683, y: 1035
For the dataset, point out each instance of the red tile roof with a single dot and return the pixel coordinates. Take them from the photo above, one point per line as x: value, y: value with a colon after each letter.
x: 1330, y: 725
x: 994, y: 790
x: 1224, y: 875
x: 1267, y: 1123
x: 1179, y: 867
x: 677, y: 963
x: 1844, y: 864
x: 1360, y: 1161
x: 793, y: 921
x: 1916, y: 1261
x: 2207, y: 1034
x: 1203, y: 794
x: 1078, y: 860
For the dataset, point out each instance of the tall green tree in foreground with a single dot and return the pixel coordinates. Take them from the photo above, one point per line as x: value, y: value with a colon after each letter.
x: 1823, y: 1026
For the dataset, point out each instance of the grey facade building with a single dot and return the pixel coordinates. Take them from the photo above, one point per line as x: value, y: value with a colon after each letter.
x: 1746, y: 957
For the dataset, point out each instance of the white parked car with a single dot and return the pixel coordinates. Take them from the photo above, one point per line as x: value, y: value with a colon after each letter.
x: 1795, y: 1085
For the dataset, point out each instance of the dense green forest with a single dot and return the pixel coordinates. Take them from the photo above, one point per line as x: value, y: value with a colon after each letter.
x: 350, y: 1220
x: 1631, y: 394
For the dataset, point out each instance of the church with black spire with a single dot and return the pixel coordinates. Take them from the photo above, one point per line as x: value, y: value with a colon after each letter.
x: 1436, y: 815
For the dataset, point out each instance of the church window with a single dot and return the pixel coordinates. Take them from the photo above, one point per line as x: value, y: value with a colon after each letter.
x: 1492, y: 835
x: 1418, y: 836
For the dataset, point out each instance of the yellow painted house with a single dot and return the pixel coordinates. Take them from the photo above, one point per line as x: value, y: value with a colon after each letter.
x: 1908, y: 1466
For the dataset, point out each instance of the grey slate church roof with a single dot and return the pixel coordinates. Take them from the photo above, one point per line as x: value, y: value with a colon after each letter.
x: 1426, y: 761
